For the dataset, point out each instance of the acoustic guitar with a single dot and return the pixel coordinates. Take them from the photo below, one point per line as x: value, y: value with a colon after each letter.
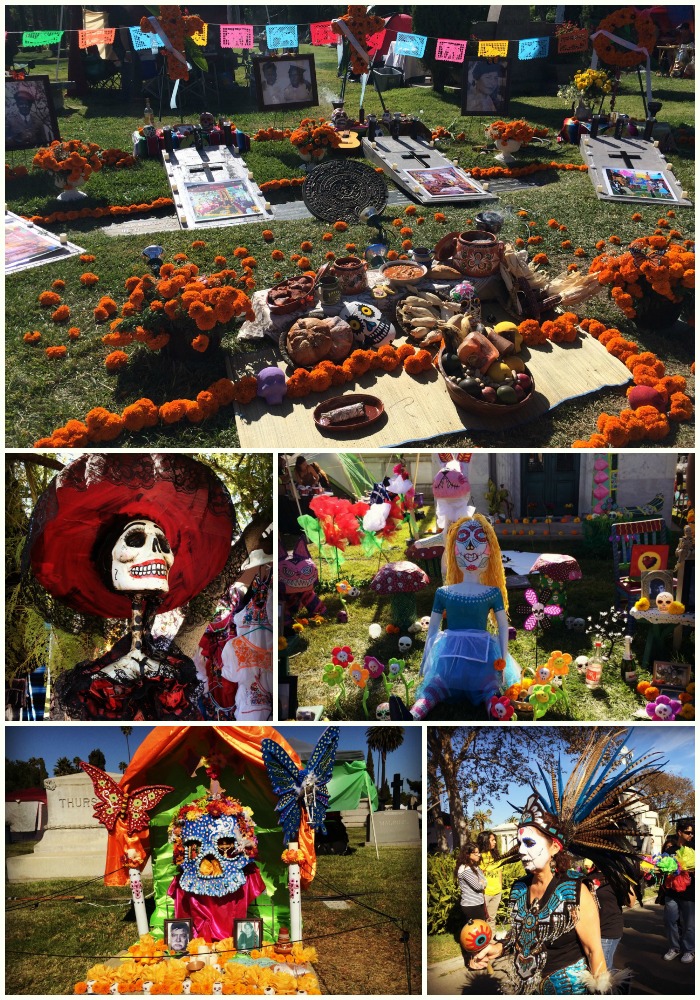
x: 349, y: 143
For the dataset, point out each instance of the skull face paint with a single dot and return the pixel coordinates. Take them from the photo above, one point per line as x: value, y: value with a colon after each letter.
x: 472, y: 549
x: 533, y: 848
x: 141, y: 558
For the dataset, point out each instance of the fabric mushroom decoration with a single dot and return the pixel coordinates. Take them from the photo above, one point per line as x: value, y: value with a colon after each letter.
x: 558, y: 570
x: 400, y: 581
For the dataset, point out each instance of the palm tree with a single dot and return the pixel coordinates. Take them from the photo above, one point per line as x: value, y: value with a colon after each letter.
x: 127, y: 730
x: 122, y: 765
x: 384, y: 740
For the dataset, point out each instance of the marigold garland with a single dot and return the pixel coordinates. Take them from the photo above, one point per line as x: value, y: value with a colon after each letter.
x: 99, y: 213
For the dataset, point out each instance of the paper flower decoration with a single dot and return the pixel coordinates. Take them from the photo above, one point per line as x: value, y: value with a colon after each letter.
x: 541, y: 697
x: 373, y: 667
x: 539, y: 612
x: 332, y: 674
x: 342, y: 655
x: 664, y: 709
x: 667, y: 864
x: 358, y: 675
x: 501, y: 709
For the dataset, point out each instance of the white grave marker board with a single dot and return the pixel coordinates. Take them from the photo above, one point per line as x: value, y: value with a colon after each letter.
x: 631, y: 170
x: 26, y: 245
x: 423, y: 171
x: 213, y: 187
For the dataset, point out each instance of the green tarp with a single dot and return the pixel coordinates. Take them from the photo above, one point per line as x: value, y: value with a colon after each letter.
x: 349, y: 784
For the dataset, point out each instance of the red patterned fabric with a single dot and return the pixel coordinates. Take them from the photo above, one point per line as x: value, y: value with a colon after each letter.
x: 212, y: 916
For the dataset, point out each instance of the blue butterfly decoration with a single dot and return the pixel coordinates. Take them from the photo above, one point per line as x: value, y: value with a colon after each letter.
x: 306, y: 788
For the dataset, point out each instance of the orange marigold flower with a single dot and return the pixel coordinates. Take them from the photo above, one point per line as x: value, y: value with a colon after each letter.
x: 572, y: 267
x: 240, y: 252
x: 340, y: 226
x: 330, y: 255
x: 277, y: 276
x: 74, y: 332
x: 268, y: 235
x: 519, y: 241
x: 116, y: 360
x: 439, y: 216
x: 410, y: 210
x: 32, y: 337
x: 173, y: 412
x: 306, y: 246
x: 523, y: 214
x: 277, y: 255
x: 615, y: 240
x: 563, y: 229
x: 200, y: 343
x: 56, y: 352
x: 552, y: 223
x: 534, y: 240
x: 566, y: 245
x: 219, y: 260
x: 540, y: 258
x: 531, y: 225
x: 294, y: 257
x: 87, y: 258
x: 61, y: 314
x: 397, y: 222
x: 142, y: 413
x: 196, y: 245
x: 89, y: 279
x: 48, y: 299
x: 419, y: 220
x: 351, y: 247
x: 303, y: 263
x: 406, y: 231
x: 327, y: 237
x: 579, y: 252
x: 636, y: 216
x: 600, y: 245
x: 671, y: 214
x: 58, y: 284
x: 406, y: 244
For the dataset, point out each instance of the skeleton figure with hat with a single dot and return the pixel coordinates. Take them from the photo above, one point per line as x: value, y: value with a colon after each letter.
x: 465, y: 659
x: 554, y: 942
x: 132, y: 536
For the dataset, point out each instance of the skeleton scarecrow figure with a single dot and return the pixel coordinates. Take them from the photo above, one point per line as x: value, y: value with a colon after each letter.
x: 132, y: 536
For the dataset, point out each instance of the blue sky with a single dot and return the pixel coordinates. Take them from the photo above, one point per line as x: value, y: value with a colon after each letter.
x: 675, y: 741
x: 51, y: 742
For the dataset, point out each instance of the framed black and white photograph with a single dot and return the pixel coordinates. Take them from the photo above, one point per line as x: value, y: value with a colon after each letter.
x: 485, y: 86
x: 655, y: 582
x: 178, y: 934
x: 30, y: 118
x: 285, y: 82
x: 671, y: 675
x: 247, y: 934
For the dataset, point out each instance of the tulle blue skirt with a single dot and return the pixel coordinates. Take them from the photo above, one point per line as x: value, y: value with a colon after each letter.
x: 462, y: 661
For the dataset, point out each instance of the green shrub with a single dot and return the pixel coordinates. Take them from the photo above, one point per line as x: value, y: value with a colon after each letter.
x: 443, y: 892
x: 510, y: 874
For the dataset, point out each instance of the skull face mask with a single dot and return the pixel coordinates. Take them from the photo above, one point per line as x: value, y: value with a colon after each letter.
x: 213, y: 841
x: 141, y: 558
x: 533, y: 848
x: 471, y: 547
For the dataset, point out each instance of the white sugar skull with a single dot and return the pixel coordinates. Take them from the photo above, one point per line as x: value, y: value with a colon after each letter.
x: 425, y: 623
x: 382, y: 712
x: 217, y: 988
x: 405, y: 643
x: 472, y: 548
x: 556, y: 681
x: 147, y: 987
x: 581, y: 664
x: 90, y: 983
x: 186, y: 985
x: 369, y: 327
x: 114, y: 989
x: 663, y: 712
x: 664, y: 600
x: 269, y: 991
x: 499, y: 710
x: 141, y: 558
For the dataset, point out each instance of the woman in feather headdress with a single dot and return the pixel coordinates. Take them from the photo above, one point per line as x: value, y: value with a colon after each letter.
x: 554, y: 944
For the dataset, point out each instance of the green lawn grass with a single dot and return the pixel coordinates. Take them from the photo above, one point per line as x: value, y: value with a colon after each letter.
x: 42, y: 394
x: 312, y: 648
x: 50, y: 946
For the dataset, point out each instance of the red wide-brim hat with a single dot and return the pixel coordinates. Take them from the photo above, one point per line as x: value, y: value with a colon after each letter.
x: 95, y: 493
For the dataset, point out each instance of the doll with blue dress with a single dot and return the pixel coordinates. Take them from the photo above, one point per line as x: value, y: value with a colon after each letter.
x: 464, y: 659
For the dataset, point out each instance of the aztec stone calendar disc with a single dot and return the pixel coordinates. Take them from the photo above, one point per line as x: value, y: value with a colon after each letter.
x: 340, y: 189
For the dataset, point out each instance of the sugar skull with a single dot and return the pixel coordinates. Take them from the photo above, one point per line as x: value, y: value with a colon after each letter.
x: 471, y: 547
x: 405, y: 643
x: 382, y: 712
x: 272, y: 385
x: 213, y: 840
x: 664, y: 600
x: 369, y: 327
x: 141, y: 558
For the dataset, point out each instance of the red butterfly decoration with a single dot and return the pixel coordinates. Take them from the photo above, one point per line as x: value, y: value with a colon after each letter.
x: 132, y: 808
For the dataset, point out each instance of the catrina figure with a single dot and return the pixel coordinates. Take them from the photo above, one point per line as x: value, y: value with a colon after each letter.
x: 132, y: 536
x: 465, y: 659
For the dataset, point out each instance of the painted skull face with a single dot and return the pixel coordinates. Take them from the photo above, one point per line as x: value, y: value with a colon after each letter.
x: 405, y: 643
x: 382, y: 712
x: 664, y: 600
x: 141, y: 558
x: 533, y: 848
x: 215, y: 856
x: 471, y: 547
x: 369, y: 327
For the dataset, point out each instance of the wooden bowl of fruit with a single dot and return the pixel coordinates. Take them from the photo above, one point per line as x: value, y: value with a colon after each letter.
x: 496, y: 389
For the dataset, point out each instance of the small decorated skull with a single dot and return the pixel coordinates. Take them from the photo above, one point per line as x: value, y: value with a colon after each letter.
x: 369, y: 327
x: 217, y: 988
x: 543, y: 674
x: 141, y: 558
x: 272, y: 385
x: 405, y: 643
x: 664, y: 600
x: 382, y: 712
x: 581, y: 664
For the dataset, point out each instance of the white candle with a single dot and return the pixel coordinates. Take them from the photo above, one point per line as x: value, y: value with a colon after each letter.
x: 599, y: 188
x: 486, y: 186
x: 394, y: 166
x: 166, y: 157
x: 268, y: 207
x: 669, y: 167
x: 63, y: 238
x: 684, y: 194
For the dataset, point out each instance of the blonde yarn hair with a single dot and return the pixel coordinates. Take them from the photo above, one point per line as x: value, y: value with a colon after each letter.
x: 494, y: 574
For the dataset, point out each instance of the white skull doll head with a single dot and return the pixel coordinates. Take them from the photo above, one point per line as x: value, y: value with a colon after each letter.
x: 141, y: 558
x: 664, y: 600
x: 405, y: 643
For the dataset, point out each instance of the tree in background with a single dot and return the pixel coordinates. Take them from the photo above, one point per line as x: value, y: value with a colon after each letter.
x: 122, y: 765
x: 384, y: 740
x: 127, y: 730
x: 370, y: 763
x: 97, y: 759
x: 21, y: 774
x: 671, y: 796
x: 64, y: 766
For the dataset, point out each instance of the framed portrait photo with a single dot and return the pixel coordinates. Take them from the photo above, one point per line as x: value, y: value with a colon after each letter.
x: 177, y: 934
x: 671, y: 675
x: 30, y: 118
x: 248, y: 933
x: 285, y: 82
x: 655, y: 582
x: 485, y: 87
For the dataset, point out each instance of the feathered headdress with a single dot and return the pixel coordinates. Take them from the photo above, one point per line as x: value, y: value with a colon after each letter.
x: 593, y: 814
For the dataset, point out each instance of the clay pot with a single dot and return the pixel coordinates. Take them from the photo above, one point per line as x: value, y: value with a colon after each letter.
x: 351, y: 274
x: 478, y: 254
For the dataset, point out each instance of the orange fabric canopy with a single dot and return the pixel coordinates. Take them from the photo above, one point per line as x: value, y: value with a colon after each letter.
x: 165, y: 741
